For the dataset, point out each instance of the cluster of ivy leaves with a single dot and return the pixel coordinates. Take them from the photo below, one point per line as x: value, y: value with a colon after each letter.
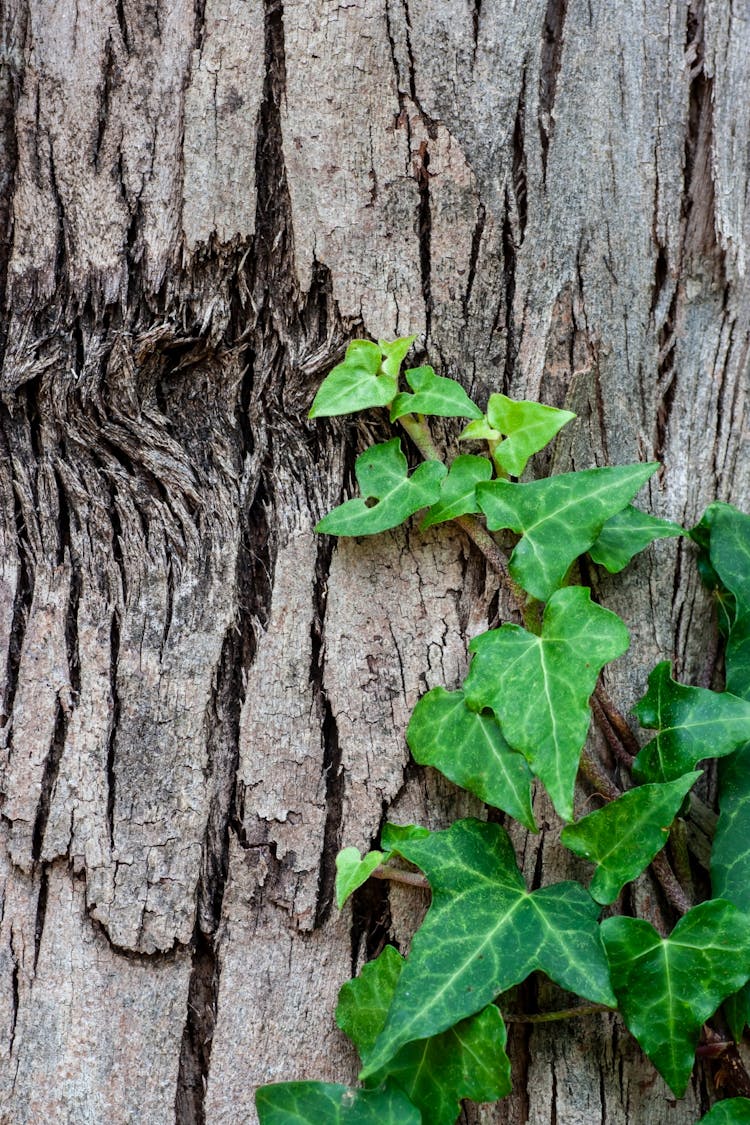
x: 428, y: 1027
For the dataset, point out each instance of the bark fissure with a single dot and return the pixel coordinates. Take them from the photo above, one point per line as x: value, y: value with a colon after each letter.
x: 549, y: 70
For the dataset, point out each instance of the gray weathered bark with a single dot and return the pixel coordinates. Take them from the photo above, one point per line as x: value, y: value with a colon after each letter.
x: 201, y: 203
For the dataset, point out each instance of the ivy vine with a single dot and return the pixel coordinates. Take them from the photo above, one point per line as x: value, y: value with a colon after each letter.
x: 429, y: 1027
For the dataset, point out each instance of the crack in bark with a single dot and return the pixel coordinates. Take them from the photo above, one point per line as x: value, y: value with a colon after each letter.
x: 549, y: 70
x: 519, y: 170
x: 509, y: 278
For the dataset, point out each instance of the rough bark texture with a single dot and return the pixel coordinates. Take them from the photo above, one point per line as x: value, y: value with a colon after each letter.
x: 200, y: 203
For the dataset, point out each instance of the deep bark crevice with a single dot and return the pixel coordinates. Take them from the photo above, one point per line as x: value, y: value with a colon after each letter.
x: 549, y: 70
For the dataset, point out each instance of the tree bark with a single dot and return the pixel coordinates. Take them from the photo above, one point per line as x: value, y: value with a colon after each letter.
x: 201, y: 700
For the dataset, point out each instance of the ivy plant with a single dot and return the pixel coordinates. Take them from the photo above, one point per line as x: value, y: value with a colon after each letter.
x: 429, y: 1027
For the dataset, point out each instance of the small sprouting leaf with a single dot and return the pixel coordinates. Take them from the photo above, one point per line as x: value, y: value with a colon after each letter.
x: 434, y: 395
x: 483, y: 933
x: 480, y: 430
x: 356, y: 383
x: 693, y: 723
x: 732, y: 1111
x: 529, y: 426
x: 311, y: 1103
x: 395, y: 834
x: 469, y: 748
x: 352, y: 870
x: 627, y: 533
x: 623, y: 837
x: 394, y: 353
x: 382, y: 474
x: 458, y: 491
x: 559, y: 518
x: 539, y: 686
x: 436, y: 1074
x: 668, y: 987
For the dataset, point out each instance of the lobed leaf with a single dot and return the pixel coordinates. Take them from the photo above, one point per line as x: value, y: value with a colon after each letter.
x: 529, y: 426
x: 623, y: 837
x: 483, y: 933
x: 356, y: 383
x: 394, y: 353
x: 693, y: 723
x: 625, y: 534
x: 382, y: 474
x: 311, y: 1103
x: 668, y: 987
x: 466, y: 1061
x: 352, y: 870
x: 539, y: 686
x: 458, y: 490
x: 469, y: 748
x: 724, y: 534
x: 732, y: 1111
x: 434, y: 395
x: 559, y: 518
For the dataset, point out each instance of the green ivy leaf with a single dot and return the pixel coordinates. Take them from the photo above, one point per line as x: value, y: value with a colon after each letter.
x: 458, y: 490
x: 730, y: 859
x: 668, y: 987
x: 559, y: 518
x: 693, y: 723
x: 724, y: 532
x: 355, y: 384
x: 469, y: 748
x: 394, y: 353
x: 312, y: 1103
x: 539, y: 686
x: 480, y: 430
x: 382, y: 474
x: 732, y: 1111
x: 623, y: 837
x: 436, y: 1074
x: 434, y: 395
x: 529, y: 427
x: 352, y: 870
x: 393, y: 835
x: 627, y: 533
x: 484, y: 932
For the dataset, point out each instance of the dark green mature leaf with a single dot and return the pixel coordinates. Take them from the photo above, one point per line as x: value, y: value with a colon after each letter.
x: 559, y: 518
x: 315, y: 1103
x: 469, y: 748
x: 484, y: 932
x: 539, y: 686
x: 382, y: 474
x: 693, y: 723
x: 627, y: 533
x: 434, y: 395
x: 352, y: 870
x: 724, y: 532
x: 668, y: 987
x: 436, y: 1074
x: 624, y: 836
x: 732, y: 1111
x: 529, y: 427
x: 458, y: 490
x: 356, y: 383
x: 730, y: 859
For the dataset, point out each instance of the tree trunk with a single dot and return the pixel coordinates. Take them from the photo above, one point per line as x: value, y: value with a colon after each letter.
x: 202, y: 701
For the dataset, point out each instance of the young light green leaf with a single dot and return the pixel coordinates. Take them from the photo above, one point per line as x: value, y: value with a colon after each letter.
x: 625, y: 534
x: 668, y: 987
x: 394, y: 353
x: 469, y: 748
x: 693, y: 723
x: 393, y: 835
x: 382, y: 474
x: 529, y: 426
x: 484, y: 932
x: 623, y: 837
x: 312, y: 1103
x: 436, y: 1074
x: 355, y: 384
x: 434, y: 395
x: 559, y: 518
x: 480, y: 430
x: 458, y: 491
x: 539, y: 686
x: 732, y: 1111
x: 352, y: 870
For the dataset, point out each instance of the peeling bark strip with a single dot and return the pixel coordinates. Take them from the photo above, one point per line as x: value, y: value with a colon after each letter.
x: 199, y: 205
